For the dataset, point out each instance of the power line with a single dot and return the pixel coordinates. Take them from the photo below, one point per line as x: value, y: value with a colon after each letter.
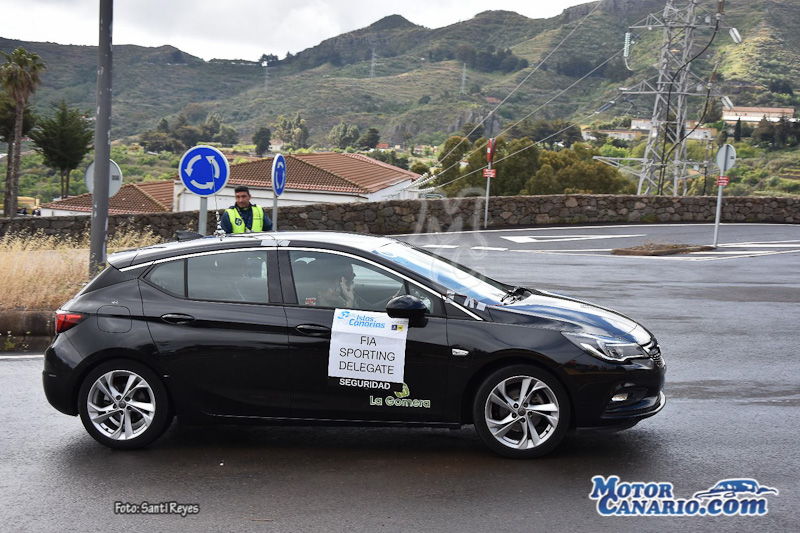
x: 531, y: 73
x: 672, y: 90
x: 588, y: 74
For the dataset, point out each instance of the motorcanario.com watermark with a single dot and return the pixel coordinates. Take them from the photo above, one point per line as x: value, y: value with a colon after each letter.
x: 157, y: 508
x: 728, y: 497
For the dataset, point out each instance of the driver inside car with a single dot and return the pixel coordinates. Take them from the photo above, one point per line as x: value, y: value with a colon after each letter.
x: 339, y: 289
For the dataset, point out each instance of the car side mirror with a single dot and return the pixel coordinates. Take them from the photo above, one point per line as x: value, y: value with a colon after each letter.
x: 409, y: 307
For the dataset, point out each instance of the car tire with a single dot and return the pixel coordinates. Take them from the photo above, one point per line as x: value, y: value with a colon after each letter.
x: 124, y: 405
x: 521, y: 412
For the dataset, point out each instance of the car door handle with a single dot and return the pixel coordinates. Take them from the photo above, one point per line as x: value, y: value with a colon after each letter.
x: 312, y: 330
x: 177, y: 318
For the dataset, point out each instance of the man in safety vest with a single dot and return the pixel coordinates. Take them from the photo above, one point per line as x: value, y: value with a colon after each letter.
x: 244, y: 217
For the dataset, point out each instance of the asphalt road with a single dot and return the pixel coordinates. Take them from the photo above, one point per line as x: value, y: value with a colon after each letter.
x: 725, y: 322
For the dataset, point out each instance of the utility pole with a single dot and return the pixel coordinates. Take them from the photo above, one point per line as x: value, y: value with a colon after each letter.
x: 102, y: 143
x: 372, y: 65
x: 464, y: 79
x: 663, y: 169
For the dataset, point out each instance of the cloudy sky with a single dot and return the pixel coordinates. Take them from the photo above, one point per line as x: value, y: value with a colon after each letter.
x: 238, y: 29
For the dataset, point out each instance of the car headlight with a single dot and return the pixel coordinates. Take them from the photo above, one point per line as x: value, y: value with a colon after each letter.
x: 607, y: 348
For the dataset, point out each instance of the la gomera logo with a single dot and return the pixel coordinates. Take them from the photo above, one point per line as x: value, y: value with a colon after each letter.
x: 728, y: 497
x: 400, y: 399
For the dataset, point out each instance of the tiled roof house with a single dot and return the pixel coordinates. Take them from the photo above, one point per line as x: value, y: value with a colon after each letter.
x: 311, y: 178
x: 132, y: 198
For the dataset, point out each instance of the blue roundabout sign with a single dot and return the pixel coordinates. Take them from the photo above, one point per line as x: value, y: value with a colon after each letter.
x: 204, y: 170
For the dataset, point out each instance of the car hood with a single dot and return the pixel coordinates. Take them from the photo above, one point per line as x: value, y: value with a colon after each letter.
x: 556, y: 311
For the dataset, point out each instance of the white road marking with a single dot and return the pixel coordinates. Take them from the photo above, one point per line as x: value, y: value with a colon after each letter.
x: 758, y: 245
x: 739, y: 252
x: 525, y: 239
x: 14, y: 357
x: 440, y: 246
x: 555, y: 251
x: 569, y: 228
x: 490, y: 249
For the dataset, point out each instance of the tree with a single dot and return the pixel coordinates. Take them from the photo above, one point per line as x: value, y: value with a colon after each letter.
x: 370, y: 139
x: 211, y: 126
x: 163, y: 125
x: 8, y: 115
x: 268, y: 59
x: 737, y: 131
x: 343, y: 135
x: 543, y: 182
x: 517, y: 169
x: 262, y: 138
x: 155, y: 141
x: 188, y: 135
x: 467, y: 131
x: 20, y: 76
x: 465, y: 53
x: 391, y: 158
x: 291, y: 131
x: 419, y: 168
x: 227, y: 135
x: 450, y: 155
x: 63, y: 139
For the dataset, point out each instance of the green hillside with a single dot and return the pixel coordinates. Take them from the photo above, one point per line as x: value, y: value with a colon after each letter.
x: 416, y: 89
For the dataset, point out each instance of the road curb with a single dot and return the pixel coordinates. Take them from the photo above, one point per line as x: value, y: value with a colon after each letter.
x: 661, y: 251
x: 25, y: 330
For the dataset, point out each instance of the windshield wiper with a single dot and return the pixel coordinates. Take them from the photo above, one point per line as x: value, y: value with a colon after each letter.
x: 514, y: 293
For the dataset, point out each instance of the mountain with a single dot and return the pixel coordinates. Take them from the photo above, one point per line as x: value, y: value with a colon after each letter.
x: 406, y: 79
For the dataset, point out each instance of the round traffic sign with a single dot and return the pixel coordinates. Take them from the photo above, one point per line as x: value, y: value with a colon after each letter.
x: 204, y: 170
x: 114, y: 178
x: 726, y: 158
x: 278, y: 174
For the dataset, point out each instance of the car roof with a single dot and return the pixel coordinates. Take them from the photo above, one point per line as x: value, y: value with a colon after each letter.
x: 155, y: 252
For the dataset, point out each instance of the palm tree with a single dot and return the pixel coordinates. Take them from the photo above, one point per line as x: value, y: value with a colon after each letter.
x: 20, y: 75
x: 8, y: 113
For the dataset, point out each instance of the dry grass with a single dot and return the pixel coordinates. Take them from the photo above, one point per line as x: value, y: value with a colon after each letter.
x: 43, y: 272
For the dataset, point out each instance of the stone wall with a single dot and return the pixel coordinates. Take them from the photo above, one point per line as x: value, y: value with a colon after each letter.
x: 409, y: 216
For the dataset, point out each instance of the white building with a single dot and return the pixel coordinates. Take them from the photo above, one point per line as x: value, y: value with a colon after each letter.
x: 755, y: 114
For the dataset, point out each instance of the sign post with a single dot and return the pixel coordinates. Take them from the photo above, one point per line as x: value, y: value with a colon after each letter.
x: 278, y: 184
x: 204, y: 171
x: 726, y: 158
x: 488, y: 173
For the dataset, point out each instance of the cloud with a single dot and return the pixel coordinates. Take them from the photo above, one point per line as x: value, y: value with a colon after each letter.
x: 239, y: 28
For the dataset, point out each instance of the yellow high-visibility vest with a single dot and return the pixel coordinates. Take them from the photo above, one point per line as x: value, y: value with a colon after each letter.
x: 237, y: 223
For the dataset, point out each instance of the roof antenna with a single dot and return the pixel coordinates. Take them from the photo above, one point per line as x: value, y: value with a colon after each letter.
x: 219, y: 232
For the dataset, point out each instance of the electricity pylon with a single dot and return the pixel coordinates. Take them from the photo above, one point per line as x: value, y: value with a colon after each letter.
x: 663, y: 168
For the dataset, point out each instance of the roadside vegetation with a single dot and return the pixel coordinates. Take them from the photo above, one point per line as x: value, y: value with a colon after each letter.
x: 43, y: 272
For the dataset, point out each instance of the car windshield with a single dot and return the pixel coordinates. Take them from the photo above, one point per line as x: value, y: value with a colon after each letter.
x: 452, y: 276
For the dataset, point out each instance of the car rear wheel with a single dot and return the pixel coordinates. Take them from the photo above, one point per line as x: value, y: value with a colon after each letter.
x: 521, y: 412
x: 124, y: 405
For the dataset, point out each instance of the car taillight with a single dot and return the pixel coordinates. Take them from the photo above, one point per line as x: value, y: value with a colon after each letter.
x: 66, y: 320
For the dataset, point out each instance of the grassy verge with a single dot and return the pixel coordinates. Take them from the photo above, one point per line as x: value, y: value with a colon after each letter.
x: 43, y: 272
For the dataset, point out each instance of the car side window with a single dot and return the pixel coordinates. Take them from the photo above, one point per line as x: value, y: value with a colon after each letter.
x: 169, y: 277
x: 227, y: 277
x: 331, y: 280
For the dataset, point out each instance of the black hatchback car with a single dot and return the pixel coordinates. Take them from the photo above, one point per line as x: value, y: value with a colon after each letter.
x: 340, y: 329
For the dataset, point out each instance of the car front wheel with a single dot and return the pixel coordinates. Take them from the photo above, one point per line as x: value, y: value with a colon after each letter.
x: 124, y: 405
x: 521, y: 412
